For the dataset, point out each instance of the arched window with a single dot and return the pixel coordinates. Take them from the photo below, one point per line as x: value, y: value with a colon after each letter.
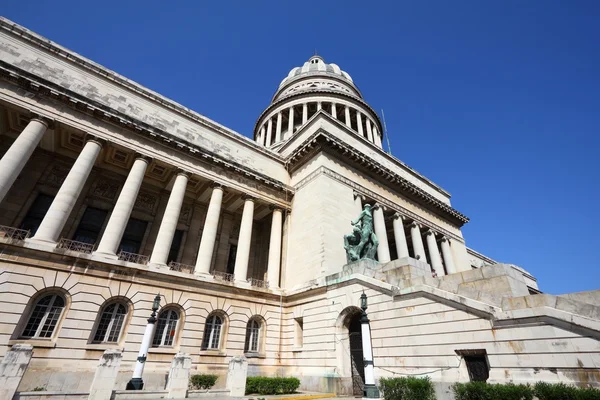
x: 44, y: 317
x: 212, y: 332
x: 111, y: 322
x: 252, y: 336
x: 166, y: 328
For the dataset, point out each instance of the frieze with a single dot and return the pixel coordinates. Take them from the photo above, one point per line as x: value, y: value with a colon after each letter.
x: 106, y: 189
x: 57, y: 175
x: 184, y: 214
x: 379, y: 199
x: 145, y: 202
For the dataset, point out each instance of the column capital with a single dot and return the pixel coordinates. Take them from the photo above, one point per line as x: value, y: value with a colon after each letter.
x: 180, y: 171
x: 397, y: 215
x: 274, y: 207
x: 248, y: 197
x: 358, y: 195
x: 430, y: 232
x: 217, y: 185
x: 445, y: 239
x: 414, y: 224
x: 377, y: 206
x: 49, y: 122
x: 95, y: 139
x: 140, y: 156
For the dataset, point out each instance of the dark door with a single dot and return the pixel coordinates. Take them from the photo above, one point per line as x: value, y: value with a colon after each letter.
x: 356, y: 356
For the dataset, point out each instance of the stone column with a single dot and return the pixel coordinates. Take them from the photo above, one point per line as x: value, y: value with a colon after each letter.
x: 209, y: 232
x: 434, y: 253
x: 243, y: 250
x: 369, y: 130
x: 304, y: 113
x: 179, y: 376
x: 274, y: 264
x: 105, y: 377
x: 13, y: 367
x: 319, y: 106
x: 383, y: 250
x: 359, y: 124
x: 399, y: 236
x: 113, y: 233
x: 290, y: 123
x: 56, y: 217
x: 168, y: 225
x: 261, y: 138
x: 447, y: 253
x: 358, y: 198
x: 376, y: 137
x: 18, y: 154
x: 333, y: 111
x: 347, y: 114
x: 269, y: 132
x: 278, y: 128
x: 417, y: 242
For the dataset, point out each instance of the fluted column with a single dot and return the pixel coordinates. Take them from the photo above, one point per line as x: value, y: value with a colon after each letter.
x: 377, y: 137
x: 304, y: 113
x: 358, y: 203
x: 359, y: 124
x: 261, y: 138
x: 274, y: 264
x: 168, y: 225
x: 278, y: 127
x: 290, y: 123
x: 60, y: 209
x: 417, y: 242
x: 333, y: 111
x: 18, y: 154
x: 434, y: 253
x: 209, y: 232
x: 243, y: 250
x: 347, y: 114
x: 399, y: 236
x: 383, y: 250
x: 369, y: 131
x: 269, y: 132
x: 447, y: 254
x: 113, y: 233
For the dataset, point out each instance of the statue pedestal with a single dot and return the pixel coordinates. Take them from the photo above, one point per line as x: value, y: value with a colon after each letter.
x: 391, y: 272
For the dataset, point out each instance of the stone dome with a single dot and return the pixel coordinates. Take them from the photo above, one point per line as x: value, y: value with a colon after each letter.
x: 316, y: 65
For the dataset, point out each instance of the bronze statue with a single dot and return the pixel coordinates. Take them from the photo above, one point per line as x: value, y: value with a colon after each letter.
x: 362, y: 242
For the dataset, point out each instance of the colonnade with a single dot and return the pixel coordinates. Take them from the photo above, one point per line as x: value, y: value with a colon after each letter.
x: 57, y: 215
x: 383, y: 250
x: 274, y: 130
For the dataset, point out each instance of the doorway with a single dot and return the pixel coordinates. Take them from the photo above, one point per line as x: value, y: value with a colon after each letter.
x: 356, y: 355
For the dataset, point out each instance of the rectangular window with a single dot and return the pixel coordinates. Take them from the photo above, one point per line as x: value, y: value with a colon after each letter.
x: 231, y: 258
x: 299, y: 341
x: 477, y: 364
x: 36, y: 213
x: 133, y: 236
x: 90, y: 225
x: 175, y: 246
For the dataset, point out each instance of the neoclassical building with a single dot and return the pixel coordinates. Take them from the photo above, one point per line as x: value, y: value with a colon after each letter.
x: 111, y: 193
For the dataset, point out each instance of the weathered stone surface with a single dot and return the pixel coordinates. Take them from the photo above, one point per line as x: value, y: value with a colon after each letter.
x: 13, y: 367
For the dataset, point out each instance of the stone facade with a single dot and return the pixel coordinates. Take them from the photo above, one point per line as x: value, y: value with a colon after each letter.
x: 111, y: 193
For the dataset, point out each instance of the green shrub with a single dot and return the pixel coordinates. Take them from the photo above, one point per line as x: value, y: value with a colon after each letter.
x: 407, y: 388
x: 560, y: 391
x: 264, y: 385
x: 203, y: 381
x: 485, y: 391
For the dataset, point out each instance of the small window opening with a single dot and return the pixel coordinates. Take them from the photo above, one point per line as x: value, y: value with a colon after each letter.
x: 299, y: 341
x: 477, y: 364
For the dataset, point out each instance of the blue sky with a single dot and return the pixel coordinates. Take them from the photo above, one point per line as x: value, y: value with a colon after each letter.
x: 497, y: 102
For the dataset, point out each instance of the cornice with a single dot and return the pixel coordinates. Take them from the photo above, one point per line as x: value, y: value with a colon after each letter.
x: 322, y: 141
x: 316, y: 74
x: 43, y: 43
x: 402, y: 211
x: 77, y: 102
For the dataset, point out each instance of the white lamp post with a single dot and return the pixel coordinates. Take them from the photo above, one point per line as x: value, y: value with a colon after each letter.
x: 371, y: 391
x: 136, y: 382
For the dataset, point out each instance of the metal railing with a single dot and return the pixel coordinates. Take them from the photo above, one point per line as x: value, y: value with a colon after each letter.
x: 173, y: 266
x: 132, y: 257
x: 258, y: 283
x: 74, y: 245
x: 223, y: 276
x: 13, y: 233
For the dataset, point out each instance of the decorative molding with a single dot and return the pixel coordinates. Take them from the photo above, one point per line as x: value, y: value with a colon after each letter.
x: 106, y: 189
x: 145, y: 202
x: 185, y: 213
x: 379, y: 199
x: 324, y: 142
x: 57, y: 175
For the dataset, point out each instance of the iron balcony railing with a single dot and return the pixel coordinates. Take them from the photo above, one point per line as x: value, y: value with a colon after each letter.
x: 74, y: 245
x: 258, y: 283
x: 13, y: 233
x: 132, y: 257
x: 188, y: 269
x: 223, y: 276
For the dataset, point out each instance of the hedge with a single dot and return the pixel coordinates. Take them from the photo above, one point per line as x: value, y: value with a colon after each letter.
x: 264, y: 385
x: 510, y: 391
x: 202, y: 381
x: 407, y: 388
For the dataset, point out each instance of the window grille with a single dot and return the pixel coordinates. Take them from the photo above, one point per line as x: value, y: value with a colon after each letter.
x: 166, y: 327
x: 111, y: 323
x: 252, y: 336
x: 44, y: 317
x: 212, y: 333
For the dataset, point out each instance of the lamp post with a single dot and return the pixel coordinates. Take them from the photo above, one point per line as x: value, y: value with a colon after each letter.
x: 136, y: 382
x: 370, y: 391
